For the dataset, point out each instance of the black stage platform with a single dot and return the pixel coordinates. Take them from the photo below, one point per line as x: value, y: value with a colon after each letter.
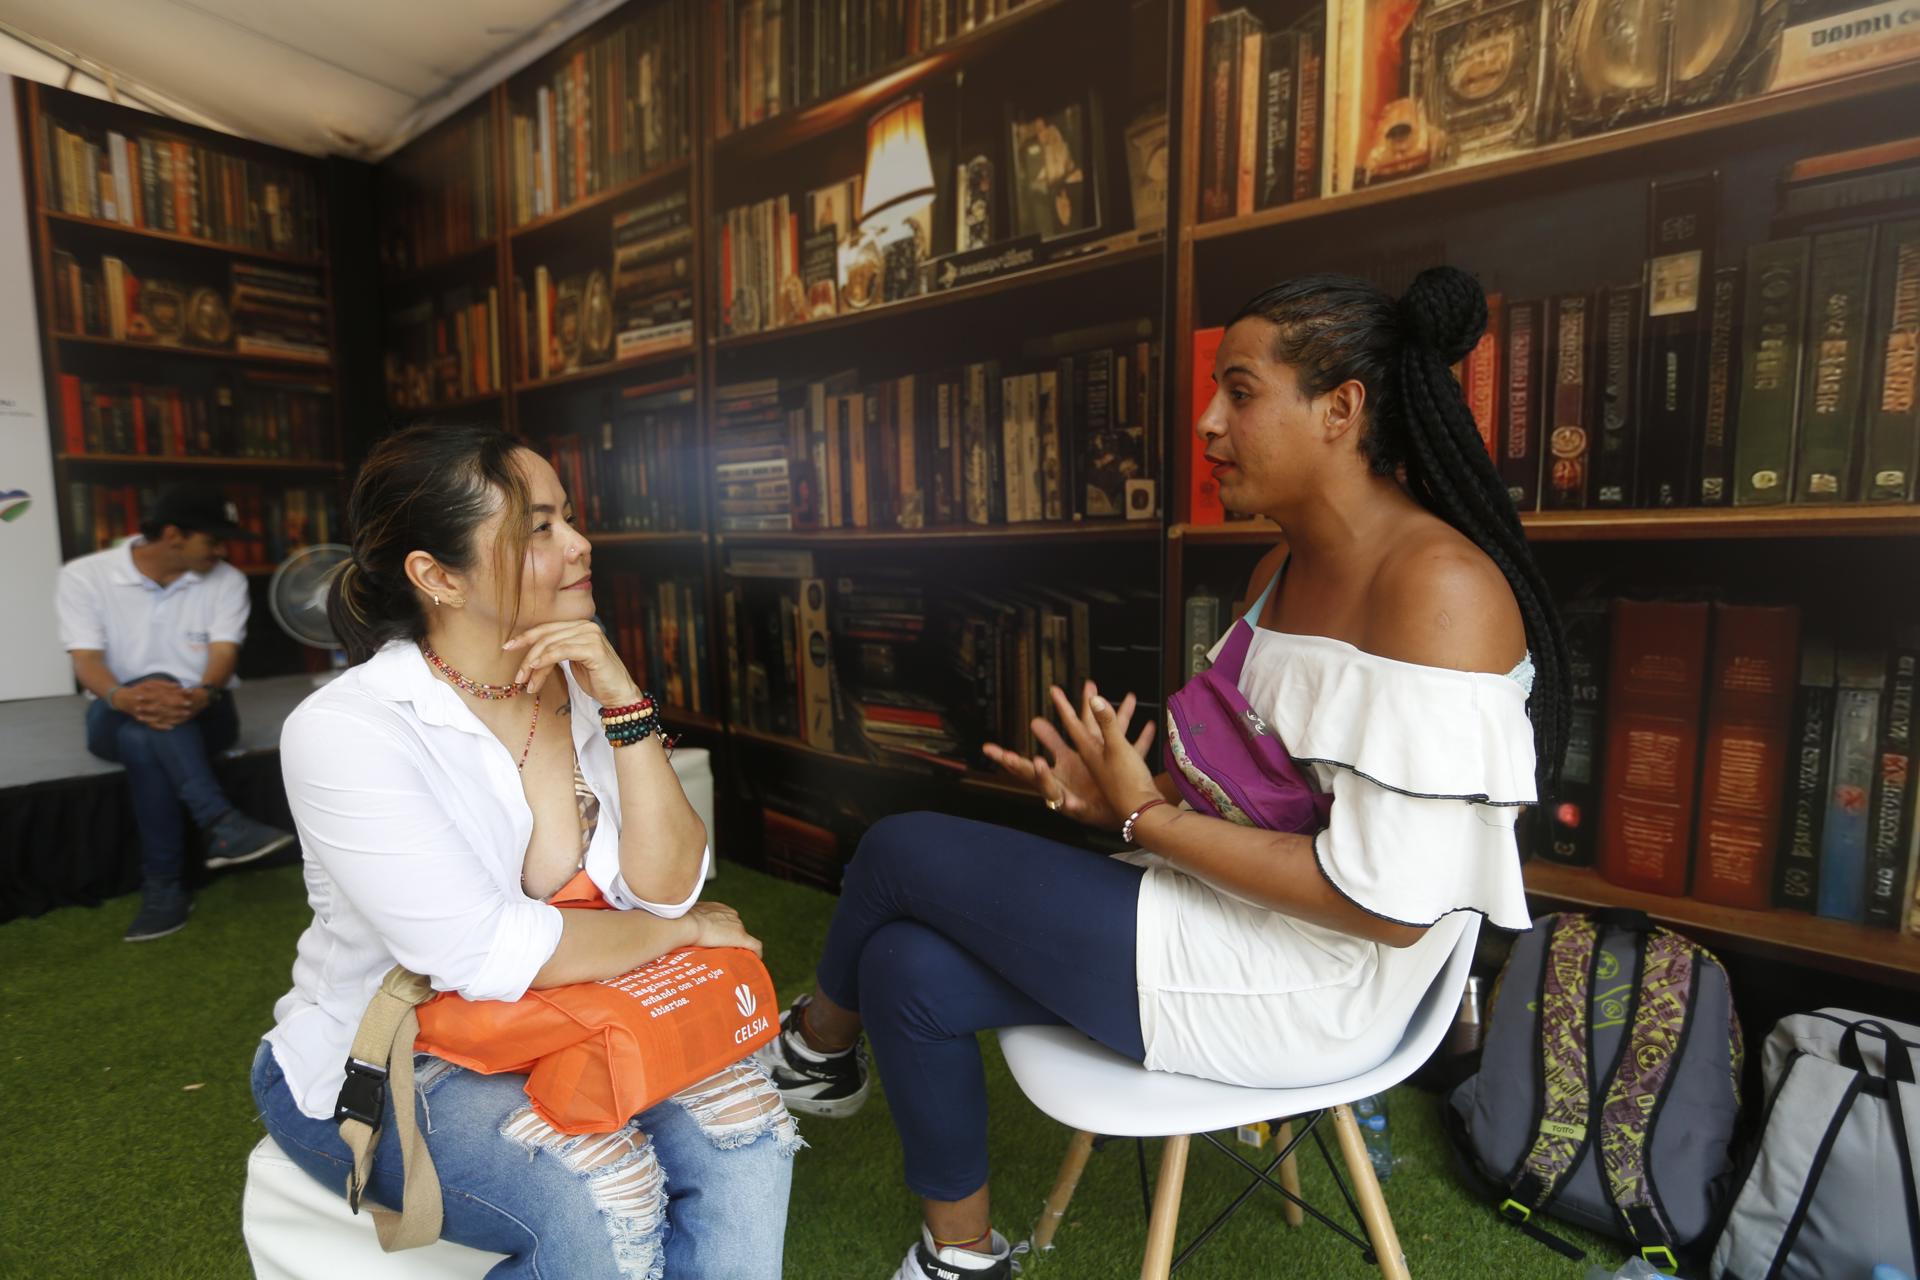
x: 66, y: 828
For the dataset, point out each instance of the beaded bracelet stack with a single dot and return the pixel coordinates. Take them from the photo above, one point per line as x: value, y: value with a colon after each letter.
x: 633, y: 723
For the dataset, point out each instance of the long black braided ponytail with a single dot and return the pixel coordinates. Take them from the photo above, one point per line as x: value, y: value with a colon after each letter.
x: 1336, y: 328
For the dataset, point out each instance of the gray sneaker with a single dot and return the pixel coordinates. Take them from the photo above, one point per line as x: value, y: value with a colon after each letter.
x: 237, y: 838
x: 163, y: 910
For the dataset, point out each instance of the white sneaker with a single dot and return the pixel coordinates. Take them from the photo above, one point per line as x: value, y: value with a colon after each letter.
x: 925, y: 1262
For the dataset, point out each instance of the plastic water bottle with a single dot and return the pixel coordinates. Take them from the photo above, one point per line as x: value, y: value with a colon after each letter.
x: 1370, y: 1113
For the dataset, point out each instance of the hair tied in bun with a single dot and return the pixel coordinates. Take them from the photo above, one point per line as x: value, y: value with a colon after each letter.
x: 1444, y: 311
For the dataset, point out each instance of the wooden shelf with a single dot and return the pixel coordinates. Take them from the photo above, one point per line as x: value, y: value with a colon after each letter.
x: 972, y: 780
x: 401, y: 277
x: 257, y: 570
x: 1679, y: 525
x: 223, y: 464
x: 856, y: 101
x: 673, y: 538
x: 1724, y: 522
x: 1571, y: 154
x: 612, y: 368
x: 1104, y: 531
x: 193, y: 353
x: 446, y: 406
x: 191, y: 242
x: 1231, y: 534
x: 1115, y: 256
x: 680, y: 718
x: 612, y: 195
x: 1880, y: 954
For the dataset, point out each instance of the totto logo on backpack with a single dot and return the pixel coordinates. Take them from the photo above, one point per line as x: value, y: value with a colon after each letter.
x: 1608, y: 1086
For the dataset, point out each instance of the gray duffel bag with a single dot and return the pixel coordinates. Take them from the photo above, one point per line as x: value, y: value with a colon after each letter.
x: 1830, y: 1190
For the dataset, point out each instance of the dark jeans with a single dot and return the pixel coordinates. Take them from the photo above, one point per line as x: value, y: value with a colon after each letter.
x: 167, y: 770
x: 947, y: 927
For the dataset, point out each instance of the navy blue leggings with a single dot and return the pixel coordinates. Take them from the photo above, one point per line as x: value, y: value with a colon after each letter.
x: 947, y: 927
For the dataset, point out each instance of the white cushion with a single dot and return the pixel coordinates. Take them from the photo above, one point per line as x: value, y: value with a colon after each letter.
x: 297, y: 1229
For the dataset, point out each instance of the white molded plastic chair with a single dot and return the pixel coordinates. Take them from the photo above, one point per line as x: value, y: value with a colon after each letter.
x: 1093, y: 1090
x: 297, y: 1229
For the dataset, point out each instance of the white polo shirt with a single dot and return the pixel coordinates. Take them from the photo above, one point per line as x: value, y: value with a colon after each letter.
x: 414, y: 826
x: 106, y: 603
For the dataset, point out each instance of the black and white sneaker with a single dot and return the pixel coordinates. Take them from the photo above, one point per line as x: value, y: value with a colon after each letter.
x: 810, y: 1082
x: 926, y: 1262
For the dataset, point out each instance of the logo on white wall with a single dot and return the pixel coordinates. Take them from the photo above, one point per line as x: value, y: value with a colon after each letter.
x: 13, y: 504
x: 744, y: 1001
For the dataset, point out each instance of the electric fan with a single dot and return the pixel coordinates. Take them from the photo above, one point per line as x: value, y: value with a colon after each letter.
x: 297, y: 595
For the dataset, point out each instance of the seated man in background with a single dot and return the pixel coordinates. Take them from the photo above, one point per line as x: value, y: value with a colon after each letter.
x: 154, y: 626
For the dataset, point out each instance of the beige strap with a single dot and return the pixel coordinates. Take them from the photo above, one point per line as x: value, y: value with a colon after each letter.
x: 385, y: 1042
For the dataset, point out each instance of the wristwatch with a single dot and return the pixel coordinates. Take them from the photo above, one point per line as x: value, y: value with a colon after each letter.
x: 214, y: 693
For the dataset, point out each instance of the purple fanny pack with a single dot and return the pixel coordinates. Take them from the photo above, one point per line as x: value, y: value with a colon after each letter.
x: 1226, y: 761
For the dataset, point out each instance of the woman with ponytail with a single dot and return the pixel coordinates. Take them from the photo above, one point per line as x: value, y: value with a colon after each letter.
x: 486, y: 755
x: 1340, y: 797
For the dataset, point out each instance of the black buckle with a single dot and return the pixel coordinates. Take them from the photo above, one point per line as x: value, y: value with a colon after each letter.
x: 363, y: 1095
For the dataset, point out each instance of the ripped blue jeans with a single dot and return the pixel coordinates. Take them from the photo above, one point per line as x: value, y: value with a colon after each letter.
x: 695, y: 1186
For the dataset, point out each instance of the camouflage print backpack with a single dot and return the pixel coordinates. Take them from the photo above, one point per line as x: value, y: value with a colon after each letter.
x: 1608, y: 1086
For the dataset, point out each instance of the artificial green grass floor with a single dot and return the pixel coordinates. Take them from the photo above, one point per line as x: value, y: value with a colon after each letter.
x: 124, y: 1083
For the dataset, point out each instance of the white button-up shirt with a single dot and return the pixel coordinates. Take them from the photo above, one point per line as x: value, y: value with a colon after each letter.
x: 104, y: 602
x: 414, y: 828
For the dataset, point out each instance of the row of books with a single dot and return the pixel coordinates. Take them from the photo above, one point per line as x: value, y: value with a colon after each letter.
x: 869, y: 665
x: 1302, y: 100
x: 614, y: 111
x: 660, y: 629
x: 254, y: 415
x: 1789, y: 377
x: 1732, y: 754
x: 436, y: 195
x: 784, y: 262
x: 278, y: 313
x: 444, y: 347
x: 642, y: 306
x: 260, y: 310
x: 167, y: 184
x: 1261, y: 112
x: 639, y: 470
x: 277, y: 522
x: 1067, y: 438
x: 652, y: 277
x: 782, y: 54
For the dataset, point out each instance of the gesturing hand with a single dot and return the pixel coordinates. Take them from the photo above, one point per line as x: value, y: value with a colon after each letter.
x: 717, y: 925
x: 1117, y: 767
x: 1068, y: 779
x: 595, y: 665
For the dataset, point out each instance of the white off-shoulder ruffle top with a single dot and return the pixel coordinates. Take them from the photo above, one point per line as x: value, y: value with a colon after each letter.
x: 1429, y: 769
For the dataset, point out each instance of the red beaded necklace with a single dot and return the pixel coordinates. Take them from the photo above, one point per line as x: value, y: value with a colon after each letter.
x: 492, y: 692
x: 478, y: 688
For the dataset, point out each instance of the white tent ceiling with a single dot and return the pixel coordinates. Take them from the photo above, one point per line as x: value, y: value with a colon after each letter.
x: 342, y: 77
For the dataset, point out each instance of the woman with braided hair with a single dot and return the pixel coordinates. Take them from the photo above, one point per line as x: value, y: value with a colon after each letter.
x: 1287, y: 907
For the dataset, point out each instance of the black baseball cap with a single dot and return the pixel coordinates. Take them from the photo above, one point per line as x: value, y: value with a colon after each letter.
x: 196, y: 509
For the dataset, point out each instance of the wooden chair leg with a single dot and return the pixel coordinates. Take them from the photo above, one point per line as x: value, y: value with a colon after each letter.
x: 1165, y: 1221
x: 1289, y: 1174
x: 1366, y: 1190
x: 1063, y: 1184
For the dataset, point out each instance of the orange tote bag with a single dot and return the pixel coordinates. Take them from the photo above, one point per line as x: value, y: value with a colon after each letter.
x: 595, y: 1054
